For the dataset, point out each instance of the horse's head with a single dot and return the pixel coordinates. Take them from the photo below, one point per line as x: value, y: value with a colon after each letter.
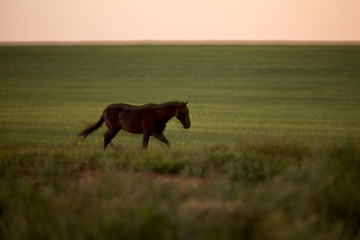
x: 182, y: 114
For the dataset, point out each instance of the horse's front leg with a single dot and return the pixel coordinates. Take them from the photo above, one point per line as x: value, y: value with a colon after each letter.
x: 162, y: 138
x: 145, y: 140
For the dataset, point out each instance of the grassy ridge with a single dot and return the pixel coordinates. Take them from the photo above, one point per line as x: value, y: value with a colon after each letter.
x: 258, y: 190
x: 308, y: 92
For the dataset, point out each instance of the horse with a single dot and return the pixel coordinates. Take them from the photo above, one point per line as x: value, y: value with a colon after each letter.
x: 148, y: 120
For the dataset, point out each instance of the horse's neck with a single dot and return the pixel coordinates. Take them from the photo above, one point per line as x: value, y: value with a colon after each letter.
x: 166, y: 113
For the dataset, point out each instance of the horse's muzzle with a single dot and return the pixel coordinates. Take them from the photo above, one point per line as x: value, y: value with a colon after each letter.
x: 187, y: 125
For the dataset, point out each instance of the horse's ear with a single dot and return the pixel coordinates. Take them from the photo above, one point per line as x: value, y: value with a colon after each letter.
x: 186, y: 102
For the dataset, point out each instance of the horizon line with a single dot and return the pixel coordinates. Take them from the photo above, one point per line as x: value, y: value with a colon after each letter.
x: 178, y: 42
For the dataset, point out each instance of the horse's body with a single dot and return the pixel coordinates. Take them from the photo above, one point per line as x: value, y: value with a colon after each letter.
x: 149, y: 120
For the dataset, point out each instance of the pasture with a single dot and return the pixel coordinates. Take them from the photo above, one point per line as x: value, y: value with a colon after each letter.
x: 306, y: 92
x: 272, y: 153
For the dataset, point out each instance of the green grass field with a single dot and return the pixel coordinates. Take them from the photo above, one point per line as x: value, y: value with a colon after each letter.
x: 273, y: 151
x: 306, y: 92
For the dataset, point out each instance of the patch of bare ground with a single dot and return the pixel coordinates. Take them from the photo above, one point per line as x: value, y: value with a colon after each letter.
x: 208, y: 207
x: 198, y: 206
x: 83, y: 174
x: 182, y: 182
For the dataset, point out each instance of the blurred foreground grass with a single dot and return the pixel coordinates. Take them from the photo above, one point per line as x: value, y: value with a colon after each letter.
x: 256, y: 189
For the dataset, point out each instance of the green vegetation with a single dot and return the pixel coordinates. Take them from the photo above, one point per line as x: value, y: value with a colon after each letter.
x: 258, y: 190
x: 273, y: 151
x: 307, y: 92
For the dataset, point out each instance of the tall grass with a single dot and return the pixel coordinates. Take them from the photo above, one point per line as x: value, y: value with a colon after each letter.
x: 256, y: 190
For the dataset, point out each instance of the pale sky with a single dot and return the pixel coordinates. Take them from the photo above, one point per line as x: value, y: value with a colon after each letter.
x: 93, y: 20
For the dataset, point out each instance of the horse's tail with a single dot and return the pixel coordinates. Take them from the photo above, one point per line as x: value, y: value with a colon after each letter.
x: 91, y: 128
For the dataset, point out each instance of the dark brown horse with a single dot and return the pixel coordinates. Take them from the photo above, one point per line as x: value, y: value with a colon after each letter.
x: 148, y: 120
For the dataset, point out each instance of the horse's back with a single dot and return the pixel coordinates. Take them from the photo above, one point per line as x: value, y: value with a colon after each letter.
x: 126, y: 116
x: 119, y: 110
x: 120, y: 106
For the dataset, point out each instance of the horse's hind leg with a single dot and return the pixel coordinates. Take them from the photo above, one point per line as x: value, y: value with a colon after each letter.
x: 145, y: 140
x: 110, y: 134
